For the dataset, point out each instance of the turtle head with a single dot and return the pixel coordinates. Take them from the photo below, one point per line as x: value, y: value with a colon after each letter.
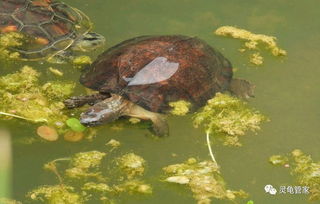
x: 89, y: 41
x: 242, y: 88
x: 105, y: 111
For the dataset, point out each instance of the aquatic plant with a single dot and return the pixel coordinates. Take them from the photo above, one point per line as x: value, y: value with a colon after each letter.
x: 302, y: 166
x: 7, y: 41
x: 131, y: 164
x: 203, y: 178
x: 180, y: 107
x: 73, y: 136
x: 9, y: 201
x: 252, y: 42
x: 59, y: 194
x: 22, y: 96
x: 56, y: 72
x: 81, y: 60
x: 133, y: 186
x: 228, y: 117
x: 86, y: 180
x: 47, y: 133
x: 75, y: 125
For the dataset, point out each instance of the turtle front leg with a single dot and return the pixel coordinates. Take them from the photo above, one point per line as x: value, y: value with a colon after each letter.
x: 159, y: 124
x: 78, y: 101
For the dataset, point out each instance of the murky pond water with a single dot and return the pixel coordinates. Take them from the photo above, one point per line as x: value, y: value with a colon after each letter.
x: 287, y: 92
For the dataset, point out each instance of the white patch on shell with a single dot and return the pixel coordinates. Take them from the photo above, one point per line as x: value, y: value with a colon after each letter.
x: 159, y: 69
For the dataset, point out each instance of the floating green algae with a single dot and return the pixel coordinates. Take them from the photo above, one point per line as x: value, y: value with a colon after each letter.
x: 7, y: 41
x: 133, y: 186
x: 132, y: 165
x: 180, y: 107
x: 302, y: 166
x: 85, y: 164
x: 252, y: 42
x: 56, y: 72
x: 229, y: 118
x: 278, y: 160
x: 79, y: 61
x: 22, y: 95
x: 203, y: 179
x: 83, y: 178
x: 9, y: 201
x: 59, y: 194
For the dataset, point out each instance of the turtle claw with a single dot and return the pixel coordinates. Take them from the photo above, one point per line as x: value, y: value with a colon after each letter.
x: 160, y: 126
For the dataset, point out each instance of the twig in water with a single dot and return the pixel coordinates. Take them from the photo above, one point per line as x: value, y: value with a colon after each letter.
x: 209, y: 147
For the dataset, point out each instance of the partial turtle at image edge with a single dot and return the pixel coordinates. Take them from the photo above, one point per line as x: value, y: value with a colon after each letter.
x: 53, y: 29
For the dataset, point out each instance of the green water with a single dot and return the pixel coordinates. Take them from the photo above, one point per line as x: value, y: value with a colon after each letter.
x: 287, y: 92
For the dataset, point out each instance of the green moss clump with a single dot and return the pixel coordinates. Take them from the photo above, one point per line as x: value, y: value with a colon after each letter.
x: 278, y: 160
x: 85, y: 165
x: 86, y: 160
x: 228, y: 117
x: 133, y: 186
x: 22, y: 95
x: 82, y: 60
x: 57, y: 90
x: 180, y: 107
x: 131, y: 164
x: 9, y: 201
x: 306, y: 171
x: 7, y: 41
x: 203, y: 178
x: 252, y: 42
x: 113, y: 143
x: 86, y: 179
x: 55, y: 195
x: 98, y: 187
x: 20, y: 82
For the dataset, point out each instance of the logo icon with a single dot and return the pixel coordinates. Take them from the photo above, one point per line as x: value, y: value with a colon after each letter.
x: 270, y: 189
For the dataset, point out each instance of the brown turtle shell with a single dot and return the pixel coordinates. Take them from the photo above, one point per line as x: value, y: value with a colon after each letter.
x: 50, y: 26
x: 152, y: 71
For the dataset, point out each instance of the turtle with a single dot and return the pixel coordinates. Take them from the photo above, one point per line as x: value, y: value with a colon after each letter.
x: 139, y: 77
x: 51, y: 28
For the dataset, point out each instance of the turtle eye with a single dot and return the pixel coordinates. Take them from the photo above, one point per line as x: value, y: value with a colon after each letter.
x: 90, y: 38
